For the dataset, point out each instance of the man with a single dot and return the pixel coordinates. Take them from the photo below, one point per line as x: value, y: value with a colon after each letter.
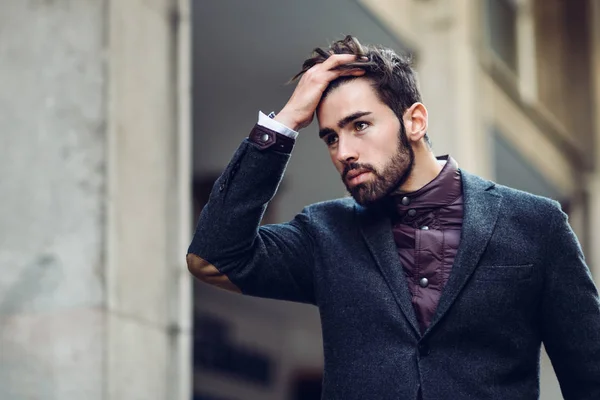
x: 431, y: 283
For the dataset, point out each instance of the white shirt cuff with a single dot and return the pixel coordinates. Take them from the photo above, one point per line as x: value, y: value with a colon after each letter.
x: 270, y: 123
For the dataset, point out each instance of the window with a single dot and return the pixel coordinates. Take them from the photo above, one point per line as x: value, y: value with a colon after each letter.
x: 501, y: 23
x: 538, y: 52
x: 563, y: 72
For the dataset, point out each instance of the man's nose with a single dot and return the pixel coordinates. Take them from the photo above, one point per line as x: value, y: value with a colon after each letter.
x: 347, y: 152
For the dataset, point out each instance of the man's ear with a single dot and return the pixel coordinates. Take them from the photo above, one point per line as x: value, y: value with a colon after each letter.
x: 415, y: 122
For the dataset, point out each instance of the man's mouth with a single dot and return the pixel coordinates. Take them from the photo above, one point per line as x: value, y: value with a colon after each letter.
x: 356, y: 176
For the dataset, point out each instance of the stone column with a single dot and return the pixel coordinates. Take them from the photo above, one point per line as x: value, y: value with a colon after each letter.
x: 148, y: 196
x: 94, y: 300
x: 52, y: 174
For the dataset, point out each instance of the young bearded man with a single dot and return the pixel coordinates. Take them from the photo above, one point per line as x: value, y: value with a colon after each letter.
x: 431, y: 283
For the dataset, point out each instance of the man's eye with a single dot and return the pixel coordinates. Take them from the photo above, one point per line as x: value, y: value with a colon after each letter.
x: 331, y: 139
x: 361, y: 125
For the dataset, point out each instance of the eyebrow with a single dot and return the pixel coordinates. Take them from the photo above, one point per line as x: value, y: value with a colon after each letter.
x: 343, y: 122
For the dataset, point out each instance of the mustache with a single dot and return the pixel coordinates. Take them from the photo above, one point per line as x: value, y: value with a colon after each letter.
x: 359, y: 167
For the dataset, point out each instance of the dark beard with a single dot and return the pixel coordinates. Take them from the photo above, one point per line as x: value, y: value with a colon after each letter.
x: 394, y: 174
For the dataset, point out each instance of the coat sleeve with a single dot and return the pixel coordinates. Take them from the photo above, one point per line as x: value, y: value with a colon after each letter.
x: 570, y: 313
x: 272, y: 261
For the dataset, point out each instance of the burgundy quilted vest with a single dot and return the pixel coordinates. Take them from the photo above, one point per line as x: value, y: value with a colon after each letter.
x: 427, y: 226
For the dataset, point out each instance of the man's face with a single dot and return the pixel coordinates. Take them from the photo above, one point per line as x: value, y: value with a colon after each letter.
x: 363, y: 137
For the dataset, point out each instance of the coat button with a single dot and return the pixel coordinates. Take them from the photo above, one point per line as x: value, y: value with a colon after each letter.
x: 265, y: 138
x: 423, y: 282
x: 424, y: 349
x: 412, y: 212
x: 424, y: 228
x: 405, y: 201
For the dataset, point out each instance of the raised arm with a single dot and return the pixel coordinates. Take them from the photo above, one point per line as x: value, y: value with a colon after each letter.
x: 229, y: 249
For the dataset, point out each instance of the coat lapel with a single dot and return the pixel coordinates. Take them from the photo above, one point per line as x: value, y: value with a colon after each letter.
x: 377, y: 232
x: 481, y: 207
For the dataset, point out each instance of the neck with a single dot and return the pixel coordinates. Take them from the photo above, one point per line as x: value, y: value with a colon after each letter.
x: 425, y: 169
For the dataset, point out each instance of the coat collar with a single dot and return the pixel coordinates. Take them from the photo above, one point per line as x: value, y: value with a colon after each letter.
x: 441, y: 191
x: 481, y: 208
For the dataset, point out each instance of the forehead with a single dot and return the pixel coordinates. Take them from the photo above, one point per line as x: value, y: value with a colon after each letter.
x: 348, y: 98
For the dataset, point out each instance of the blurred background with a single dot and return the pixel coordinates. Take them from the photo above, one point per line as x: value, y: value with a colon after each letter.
x: 117, y: 116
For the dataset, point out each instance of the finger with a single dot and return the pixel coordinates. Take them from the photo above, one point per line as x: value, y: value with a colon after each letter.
x: 331, y: 69
x: 323, y: 77
x: 342, y: 69
x: 340, y: 59
x: 350, y: 71
x: 320, y: 75
x: 353, y: 66
x: 332, y: 75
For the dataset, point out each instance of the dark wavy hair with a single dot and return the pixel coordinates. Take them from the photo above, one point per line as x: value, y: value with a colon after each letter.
x: 391, y: 74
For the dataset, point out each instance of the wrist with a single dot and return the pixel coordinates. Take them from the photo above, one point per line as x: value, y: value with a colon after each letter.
x: 287, y: 120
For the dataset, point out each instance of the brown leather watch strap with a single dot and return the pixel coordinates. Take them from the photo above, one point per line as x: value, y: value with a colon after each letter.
x: 265, y: 138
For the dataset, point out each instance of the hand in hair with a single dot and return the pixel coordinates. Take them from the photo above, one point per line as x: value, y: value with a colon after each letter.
x: 299, y: 111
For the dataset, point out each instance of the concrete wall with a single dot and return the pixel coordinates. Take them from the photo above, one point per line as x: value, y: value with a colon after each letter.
x: 94, y: 293
x: 147, y: 281
x: 53, y: 174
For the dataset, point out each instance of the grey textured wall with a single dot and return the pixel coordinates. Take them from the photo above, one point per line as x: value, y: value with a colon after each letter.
x: 51, y: 190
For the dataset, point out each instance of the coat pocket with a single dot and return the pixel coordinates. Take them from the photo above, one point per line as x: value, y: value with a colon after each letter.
x: 504, y: 272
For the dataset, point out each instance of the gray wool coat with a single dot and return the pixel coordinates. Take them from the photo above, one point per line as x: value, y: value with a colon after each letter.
x: 519, y: 279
